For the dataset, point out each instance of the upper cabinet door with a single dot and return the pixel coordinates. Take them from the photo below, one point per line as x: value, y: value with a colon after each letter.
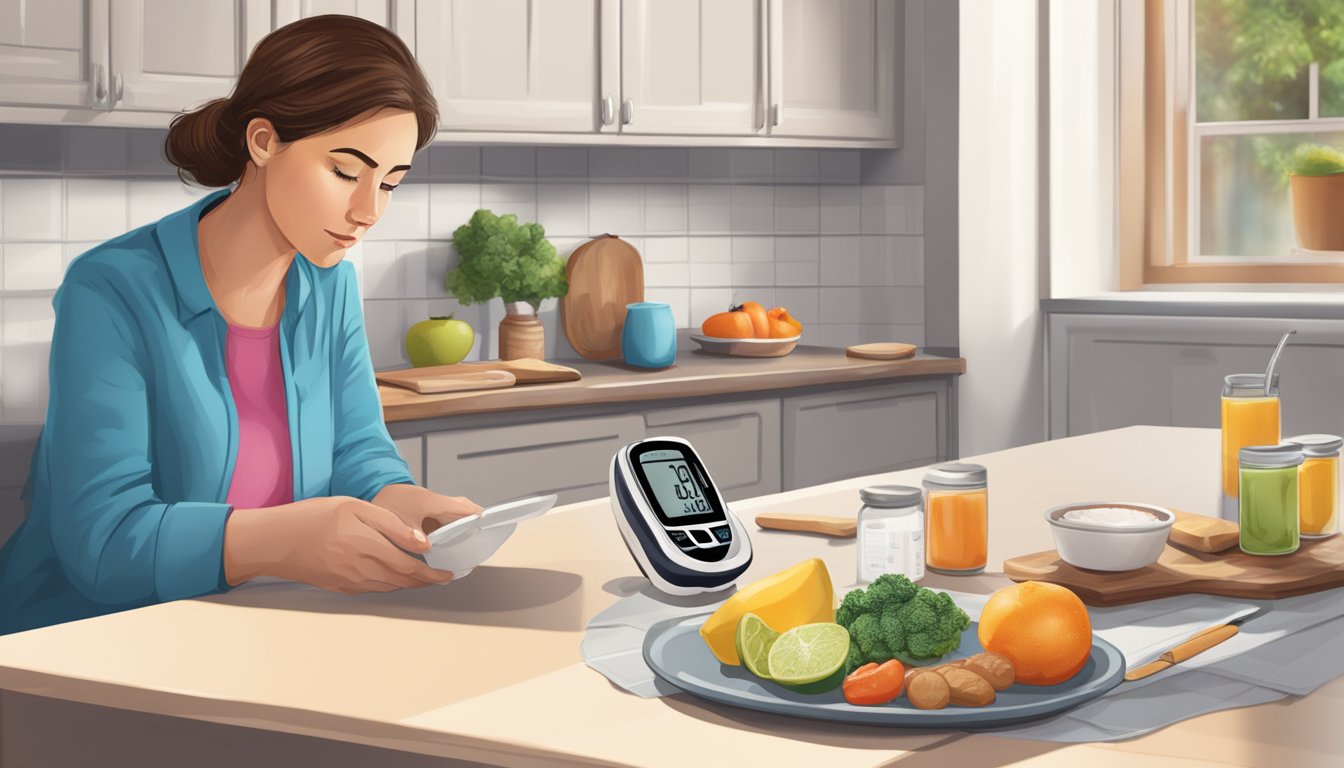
x: 692, y: 68
x: 833, y: 68
x: 44, y: 60
x: 512, y: 65
x: 173, y: 55
x: 396, y: 15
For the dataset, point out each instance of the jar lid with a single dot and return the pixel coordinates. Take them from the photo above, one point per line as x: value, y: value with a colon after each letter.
x: 891, y: 496
x: 1318, y: 445
x: 1271, y: 456
x: 955, y: 474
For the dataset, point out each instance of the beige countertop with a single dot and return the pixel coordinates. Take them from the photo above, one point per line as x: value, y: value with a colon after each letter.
x: 694, y: 374
x: 489, y: 670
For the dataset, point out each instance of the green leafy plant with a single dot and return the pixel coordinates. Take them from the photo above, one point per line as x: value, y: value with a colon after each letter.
x: 1315, y: 160
x: 500, y: 257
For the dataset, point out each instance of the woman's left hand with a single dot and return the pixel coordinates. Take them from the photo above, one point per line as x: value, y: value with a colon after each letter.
x: 422, y: 508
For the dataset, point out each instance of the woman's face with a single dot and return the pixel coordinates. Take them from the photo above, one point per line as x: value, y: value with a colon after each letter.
x: 325, y: 191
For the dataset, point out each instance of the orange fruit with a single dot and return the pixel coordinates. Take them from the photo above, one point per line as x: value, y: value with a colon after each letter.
x: 781, y: 330
x: 1043, y: 629
x: 728, y: 325
x: 783, y: 314
x: 760, y: 323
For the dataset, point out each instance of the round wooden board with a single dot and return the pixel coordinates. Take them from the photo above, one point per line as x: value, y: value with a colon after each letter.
x: 605, y: 274
x: 887, y: 350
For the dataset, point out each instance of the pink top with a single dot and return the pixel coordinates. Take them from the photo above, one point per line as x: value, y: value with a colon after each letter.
x: 263, y: 475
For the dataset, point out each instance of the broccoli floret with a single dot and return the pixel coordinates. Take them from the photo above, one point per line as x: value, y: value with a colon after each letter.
x: 895, y: 617
x: 853, y: 606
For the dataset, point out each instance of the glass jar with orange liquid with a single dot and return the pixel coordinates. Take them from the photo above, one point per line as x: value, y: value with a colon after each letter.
x: 1318, y: 485
x: 1250, y: 417
x: 956, y: 504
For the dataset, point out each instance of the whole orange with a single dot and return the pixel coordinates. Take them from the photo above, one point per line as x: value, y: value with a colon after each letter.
x: 1043, y: 629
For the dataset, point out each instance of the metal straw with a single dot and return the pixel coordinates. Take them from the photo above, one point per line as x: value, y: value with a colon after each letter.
x: 1274, y: 358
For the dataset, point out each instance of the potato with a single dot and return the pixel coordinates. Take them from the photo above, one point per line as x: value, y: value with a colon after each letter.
x: 994, y: 667
x: 927, y: 689
x: 967, y: 689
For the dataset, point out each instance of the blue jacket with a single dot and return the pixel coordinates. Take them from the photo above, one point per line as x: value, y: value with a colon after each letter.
x: 126, y: 490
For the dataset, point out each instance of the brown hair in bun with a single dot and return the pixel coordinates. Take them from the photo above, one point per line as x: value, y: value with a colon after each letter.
x: 307, y: 77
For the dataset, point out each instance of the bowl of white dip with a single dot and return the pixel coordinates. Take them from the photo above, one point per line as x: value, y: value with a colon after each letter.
x: 1110, y: 536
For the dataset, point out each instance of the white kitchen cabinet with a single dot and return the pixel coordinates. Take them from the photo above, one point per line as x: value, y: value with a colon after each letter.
x: 396, y: 15
x: 49, y: 51
x: 174, y: 55
x: 833, y: 68
x: 514, y: 65
x: 692, y: 68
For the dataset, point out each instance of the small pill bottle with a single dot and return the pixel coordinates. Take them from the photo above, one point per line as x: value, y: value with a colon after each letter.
x: 891, y: 532
x: 1268, y: 490
x: 956, y: 504
x: 1318, y: 485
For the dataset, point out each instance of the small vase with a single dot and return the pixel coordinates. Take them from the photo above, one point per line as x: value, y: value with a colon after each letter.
x: 521, y: 334
x: 649, y: 338
x: 1317, y: 202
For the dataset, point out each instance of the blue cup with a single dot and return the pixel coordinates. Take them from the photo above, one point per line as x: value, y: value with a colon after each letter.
x: 649, y: 339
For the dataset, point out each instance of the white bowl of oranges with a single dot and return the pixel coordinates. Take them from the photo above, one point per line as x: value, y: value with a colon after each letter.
x: 750, y: 330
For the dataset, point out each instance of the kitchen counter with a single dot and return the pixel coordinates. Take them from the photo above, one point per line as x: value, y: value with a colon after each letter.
x: 694, y: 374
x: 488, y: 669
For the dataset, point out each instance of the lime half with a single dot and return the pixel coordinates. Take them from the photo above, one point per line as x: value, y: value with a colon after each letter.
x: 754, y: 640
x: 809, y: 653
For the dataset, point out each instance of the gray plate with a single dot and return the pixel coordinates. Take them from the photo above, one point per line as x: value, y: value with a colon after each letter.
x: 676, y: 653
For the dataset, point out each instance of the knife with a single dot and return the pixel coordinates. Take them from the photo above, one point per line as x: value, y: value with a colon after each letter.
x: 1198, y: 643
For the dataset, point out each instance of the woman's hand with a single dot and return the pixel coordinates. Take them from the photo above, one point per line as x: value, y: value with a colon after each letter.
x: 338, y: 543
x: 422, y: 508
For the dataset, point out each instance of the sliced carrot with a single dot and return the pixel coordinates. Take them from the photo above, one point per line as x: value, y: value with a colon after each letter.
x: 875, y: 683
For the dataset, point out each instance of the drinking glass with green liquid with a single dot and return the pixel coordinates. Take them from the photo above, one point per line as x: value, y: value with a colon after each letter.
x: 1250, y: 417
x: 1268, y: 492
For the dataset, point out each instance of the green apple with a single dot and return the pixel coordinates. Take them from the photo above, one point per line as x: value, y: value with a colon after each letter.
x: 439, y: 341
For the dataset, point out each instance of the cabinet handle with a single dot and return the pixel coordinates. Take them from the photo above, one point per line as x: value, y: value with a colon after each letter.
x: 117, y: 87
x: 608, y: 110
x: 99, y: 83
x: 774, y: 115
x: 628, y: 112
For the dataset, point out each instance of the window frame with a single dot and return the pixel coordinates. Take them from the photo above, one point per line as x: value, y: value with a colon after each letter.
x: 1158, y: 160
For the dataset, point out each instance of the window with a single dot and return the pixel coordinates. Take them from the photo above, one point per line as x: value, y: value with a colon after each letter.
x: 1230, y: 88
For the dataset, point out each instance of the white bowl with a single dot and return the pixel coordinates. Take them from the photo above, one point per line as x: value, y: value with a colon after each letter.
x: 465, y: 543
x: 1101, y: 547
x: 746, y: 347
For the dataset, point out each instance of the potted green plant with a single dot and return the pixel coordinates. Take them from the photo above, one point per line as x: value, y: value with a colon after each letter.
x: 1316, y: 175
x: 500, y: 257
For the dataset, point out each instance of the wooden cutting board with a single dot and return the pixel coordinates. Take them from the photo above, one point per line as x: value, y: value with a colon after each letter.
x: 886, y: 350
x: 485, y: 374
x: 1316, y: 566
x: 605, y: 274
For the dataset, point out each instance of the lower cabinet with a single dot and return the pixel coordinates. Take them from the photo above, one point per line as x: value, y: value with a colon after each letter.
x: 835, y: 436
x: 569, y: 457
x: 751, y: 446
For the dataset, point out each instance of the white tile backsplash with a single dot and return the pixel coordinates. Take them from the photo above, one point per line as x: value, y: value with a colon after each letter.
x: 95, y: 209
x: 714, y: 226
x: 33, y: 209
x: 32, y: 266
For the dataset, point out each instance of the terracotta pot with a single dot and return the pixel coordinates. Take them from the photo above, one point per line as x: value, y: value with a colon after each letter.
x: 1318, y: 211
x: 521, y: 336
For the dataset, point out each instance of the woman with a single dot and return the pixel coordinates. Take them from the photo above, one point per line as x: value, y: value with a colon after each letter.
x: 213, y: 413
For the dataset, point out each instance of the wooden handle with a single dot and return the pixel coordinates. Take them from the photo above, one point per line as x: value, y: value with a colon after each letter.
x: 1197, y: 644
x: 842, y: 527
x: 1201, y: 643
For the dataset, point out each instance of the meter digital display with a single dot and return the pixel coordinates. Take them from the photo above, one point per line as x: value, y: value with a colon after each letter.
x: 674, y: 480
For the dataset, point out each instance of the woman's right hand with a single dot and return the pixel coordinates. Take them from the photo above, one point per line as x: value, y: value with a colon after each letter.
x: 338, y: 543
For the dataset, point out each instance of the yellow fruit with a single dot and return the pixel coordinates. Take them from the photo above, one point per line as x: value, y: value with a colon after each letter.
x: 791, y: 598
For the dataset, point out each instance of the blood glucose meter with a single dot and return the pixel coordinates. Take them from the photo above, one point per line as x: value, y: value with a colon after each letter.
x: 674, y: 520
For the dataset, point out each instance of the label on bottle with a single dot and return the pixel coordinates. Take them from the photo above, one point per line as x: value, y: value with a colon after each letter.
x: 890, y: 545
